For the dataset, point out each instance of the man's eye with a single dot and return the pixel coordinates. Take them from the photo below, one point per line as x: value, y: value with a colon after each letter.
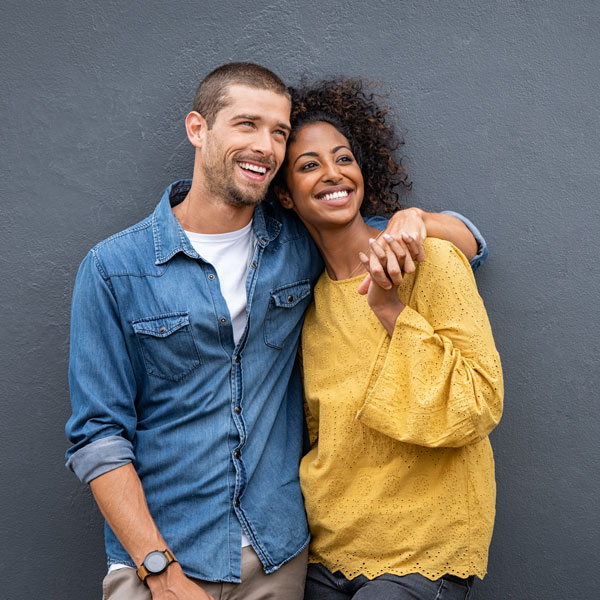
x: 247, y: 123
x: 281, y: 132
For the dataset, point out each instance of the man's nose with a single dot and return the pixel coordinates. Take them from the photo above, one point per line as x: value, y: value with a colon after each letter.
x: 263, y: 142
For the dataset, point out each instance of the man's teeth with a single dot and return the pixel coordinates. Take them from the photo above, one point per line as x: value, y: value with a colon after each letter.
x: 335, y: 195
x: 255, y: 168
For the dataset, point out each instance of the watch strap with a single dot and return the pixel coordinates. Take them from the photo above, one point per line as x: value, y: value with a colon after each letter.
x: 143, y: 572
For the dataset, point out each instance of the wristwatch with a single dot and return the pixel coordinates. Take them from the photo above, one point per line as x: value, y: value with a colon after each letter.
x: 155, y: 562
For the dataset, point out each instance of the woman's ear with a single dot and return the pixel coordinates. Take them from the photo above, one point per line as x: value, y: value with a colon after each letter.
x: 283, y: 195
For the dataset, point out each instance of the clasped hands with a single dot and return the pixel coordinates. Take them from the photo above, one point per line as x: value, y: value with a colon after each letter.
x: 395, y: 251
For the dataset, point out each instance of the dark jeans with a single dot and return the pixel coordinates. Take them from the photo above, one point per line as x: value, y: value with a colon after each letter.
x: 323, y: 585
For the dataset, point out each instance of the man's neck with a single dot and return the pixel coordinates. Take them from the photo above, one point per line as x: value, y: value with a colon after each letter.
x: 201, y: 212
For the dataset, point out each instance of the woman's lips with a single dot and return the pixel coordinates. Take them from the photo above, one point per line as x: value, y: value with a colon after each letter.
x: 337, y: 198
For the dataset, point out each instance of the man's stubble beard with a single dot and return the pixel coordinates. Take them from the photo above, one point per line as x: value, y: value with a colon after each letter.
x: 220, y: 183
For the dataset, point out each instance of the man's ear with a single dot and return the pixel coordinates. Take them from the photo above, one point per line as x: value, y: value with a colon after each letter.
x: 196, y: 128
x: 283, y: 195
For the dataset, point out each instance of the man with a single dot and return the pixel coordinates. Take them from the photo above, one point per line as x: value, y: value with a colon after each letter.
x: 187, y: 411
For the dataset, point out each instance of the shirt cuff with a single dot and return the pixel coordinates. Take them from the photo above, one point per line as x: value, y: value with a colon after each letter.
x: 482, y: 249
x: 100, y: 456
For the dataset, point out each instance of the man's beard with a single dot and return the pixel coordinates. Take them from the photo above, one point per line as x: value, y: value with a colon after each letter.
x: 221, y: 183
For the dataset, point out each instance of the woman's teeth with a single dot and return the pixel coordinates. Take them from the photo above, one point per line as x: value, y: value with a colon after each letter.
x: 255, y: 168
x: 335, y: 195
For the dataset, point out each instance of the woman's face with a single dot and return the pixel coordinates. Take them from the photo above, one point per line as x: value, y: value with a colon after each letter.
x: 324, y: 181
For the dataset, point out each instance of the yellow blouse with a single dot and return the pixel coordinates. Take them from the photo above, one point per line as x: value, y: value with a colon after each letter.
x: 400, y: 476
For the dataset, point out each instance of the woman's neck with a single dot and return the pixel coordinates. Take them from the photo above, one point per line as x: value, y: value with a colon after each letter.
x: 340, y: 246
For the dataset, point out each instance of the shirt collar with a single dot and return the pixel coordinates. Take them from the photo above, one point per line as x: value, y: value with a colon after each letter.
x: 170, y: 238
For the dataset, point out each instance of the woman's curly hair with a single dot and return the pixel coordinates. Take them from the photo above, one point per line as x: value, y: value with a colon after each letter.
x: 354, y: 110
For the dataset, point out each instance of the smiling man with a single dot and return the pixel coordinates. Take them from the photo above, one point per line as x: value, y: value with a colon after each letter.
x: 187, y: 402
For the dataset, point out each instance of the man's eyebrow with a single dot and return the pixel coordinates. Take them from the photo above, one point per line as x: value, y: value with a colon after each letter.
x: 316, y: 154
x: 258, y: 118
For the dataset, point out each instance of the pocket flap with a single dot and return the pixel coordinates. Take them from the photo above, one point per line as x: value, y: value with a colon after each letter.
x: 289, y: 295
x: 161, y: 326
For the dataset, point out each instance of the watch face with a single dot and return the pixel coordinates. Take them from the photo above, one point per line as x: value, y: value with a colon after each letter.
x: 155, y: 562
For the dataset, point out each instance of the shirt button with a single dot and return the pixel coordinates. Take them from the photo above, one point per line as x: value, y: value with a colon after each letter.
x: 211, y: 276
x: 237, y: 358
x: 162, y: 329
x: 290, y: 298
x: 237, y: 410
x: 264, y: 239
x: 253, y: 264
x: 236, y: 502
x: 236, y: 454
x: 223, y: 320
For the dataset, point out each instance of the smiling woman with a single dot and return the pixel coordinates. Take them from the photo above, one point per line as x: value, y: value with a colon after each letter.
x: 402, y: 387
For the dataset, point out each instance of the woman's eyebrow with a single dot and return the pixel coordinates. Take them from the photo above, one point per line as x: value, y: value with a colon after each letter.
x: 306, y: 154
x: 315, y: 154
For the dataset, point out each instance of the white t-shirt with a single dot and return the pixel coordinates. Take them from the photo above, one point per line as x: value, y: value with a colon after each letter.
x: 230, y: 254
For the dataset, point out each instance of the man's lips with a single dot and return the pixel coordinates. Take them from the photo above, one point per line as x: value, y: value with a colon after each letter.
x: 254, y: 171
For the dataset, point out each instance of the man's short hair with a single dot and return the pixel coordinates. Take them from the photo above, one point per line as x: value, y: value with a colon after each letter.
x: 211, y: 95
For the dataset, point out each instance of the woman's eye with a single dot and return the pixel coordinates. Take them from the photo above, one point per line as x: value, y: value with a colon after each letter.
x: 308, y: 165
x: 345, y: 159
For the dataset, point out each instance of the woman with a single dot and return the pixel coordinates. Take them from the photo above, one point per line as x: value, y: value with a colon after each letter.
x: 402, y: 386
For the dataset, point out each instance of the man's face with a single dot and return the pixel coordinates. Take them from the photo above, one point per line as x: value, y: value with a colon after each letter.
x: 246, y: 145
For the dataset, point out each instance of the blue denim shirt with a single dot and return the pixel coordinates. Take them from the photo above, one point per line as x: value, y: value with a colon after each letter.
x: 213, y: 429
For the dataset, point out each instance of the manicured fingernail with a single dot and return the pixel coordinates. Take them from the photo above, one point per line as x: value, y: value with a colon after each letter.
x: 371, y: 240
x: 389, y: 238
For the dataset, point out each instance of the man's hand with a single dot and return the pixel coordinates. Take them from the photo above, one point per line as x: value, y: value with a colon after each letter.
x: 172, y: 584
x: 409, y: 222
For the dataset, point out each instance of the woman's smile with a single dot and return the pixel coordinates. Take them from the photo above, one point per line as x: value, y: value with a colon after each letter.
x: 324, y: 181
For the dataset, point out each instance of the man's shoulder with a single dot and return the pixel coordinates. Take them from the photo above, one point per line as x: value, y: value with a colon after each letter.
x: 291, y: 227
x: 128, y: 250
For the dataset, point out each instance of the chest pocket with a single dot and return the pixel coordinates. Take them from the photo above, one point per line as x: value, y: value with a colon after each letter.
x: 285, y: 312
x: 167, y: 345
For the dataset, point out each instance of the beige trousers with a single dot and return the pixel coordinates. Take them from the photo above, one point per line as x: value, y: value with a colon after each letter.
x: 287, y: 583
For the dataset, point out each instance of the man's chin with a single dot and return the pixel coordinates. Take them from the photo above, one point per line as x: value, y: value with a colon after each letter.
x: 238, y: 198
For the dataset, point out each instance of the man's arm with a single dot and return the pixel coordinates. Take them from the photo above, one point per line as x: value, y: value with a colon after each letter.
x: 120, y: 497
x: 103, y: 424
x: 409, y: 228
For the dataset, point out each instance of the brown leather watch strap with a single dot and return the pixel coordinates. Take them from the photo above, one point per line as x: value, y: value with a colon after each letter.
x: 143, y: 572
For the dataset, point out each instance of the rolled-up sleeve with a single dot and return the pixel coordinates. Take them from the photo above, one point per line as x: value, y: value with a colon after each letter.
x: 482, y: 249
x: 101, y: 379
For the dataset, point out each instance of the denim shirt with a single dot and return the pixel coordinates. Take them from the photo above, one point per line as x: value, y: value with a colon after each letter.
x: 213, y: 428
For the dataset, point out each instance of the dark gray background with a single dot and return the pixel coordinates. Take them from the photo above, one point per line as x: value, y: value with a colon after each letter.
x: 499, y: 101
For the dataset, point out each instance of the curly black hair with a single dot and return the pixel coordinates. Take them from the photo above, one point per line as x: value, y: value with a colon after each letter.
x: 356, y: 111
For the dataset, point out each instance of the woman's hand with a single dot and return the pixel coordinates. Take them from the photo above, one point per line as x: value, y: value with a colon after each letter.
x: 394, y: 257
x: 383, y: 302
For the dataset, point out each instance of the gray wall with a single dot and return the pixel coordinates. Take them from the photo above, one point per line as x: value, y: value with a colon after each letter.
x: 499, y: 101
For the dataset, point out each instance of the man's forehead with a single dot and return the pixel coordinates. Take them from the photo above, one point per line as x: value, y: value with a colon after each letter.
x: 245, y: 99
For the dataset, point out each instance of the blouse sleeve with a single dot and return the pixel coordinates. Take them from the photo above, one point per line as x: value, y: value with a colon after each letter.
x: 441, y: 381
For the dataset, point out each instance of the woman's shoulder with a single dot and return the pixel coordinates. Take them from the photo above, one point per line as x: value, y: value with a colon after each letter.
x: 441, y: 255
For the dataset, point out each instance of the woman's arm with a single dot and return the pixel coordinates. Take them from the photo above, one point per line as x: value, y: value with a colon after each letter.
x: 441, y: 382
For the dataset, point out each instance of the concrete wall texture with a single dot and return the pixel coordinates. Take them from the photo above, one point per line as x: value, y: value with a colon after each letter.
x: 499, y: 103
